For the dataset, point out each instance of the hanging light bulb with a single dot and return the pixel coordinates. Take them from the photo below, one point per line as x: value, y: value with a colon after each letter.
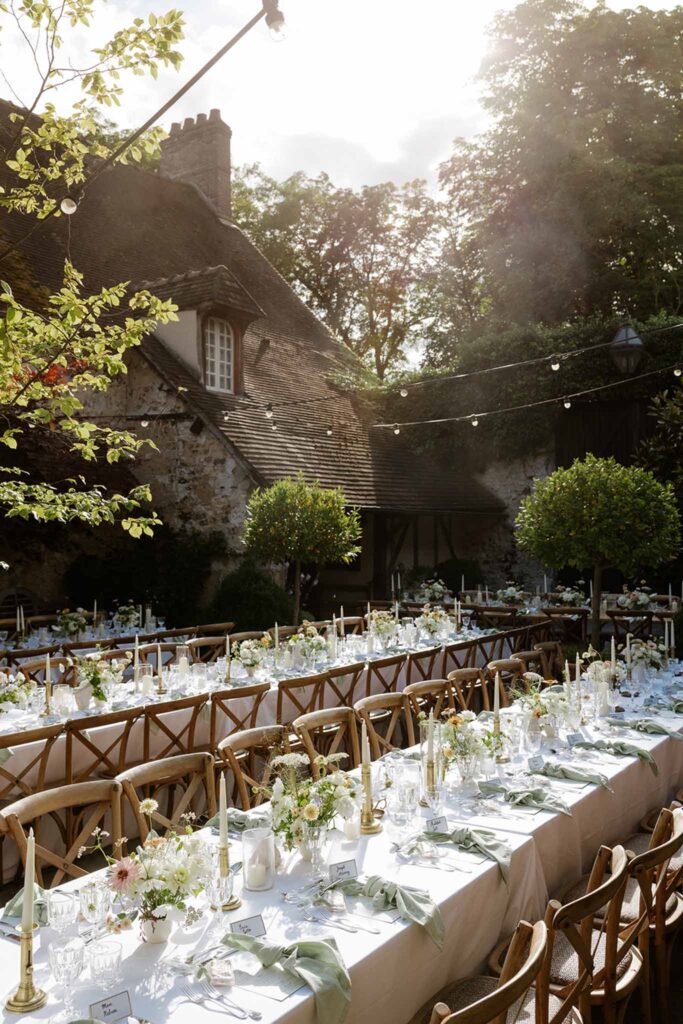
x: 567, y: 403
x: 474, y: 420
x: 273, y: 425
x: 554, y: 363
x: 275, y: 20
x: 226, y: 417
x: 329, y: 431
x: 397, y: 429
x: 144, y: 423
x: 269, y: 411
x: 677, y: 371
x: 68, y: 205
x: 403, y: 392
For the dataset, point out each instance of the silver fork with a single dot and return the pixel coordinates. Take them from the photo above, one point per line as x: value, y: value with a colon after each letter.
x: 199, y: 1000
x: 221, y: 997
x: 315, y: 919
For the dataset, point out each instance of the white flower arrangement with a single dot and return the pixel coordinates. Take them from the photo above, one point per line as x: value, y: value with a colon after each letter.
x: 635, y: 600
x: 96, y: 672
x: 127, y: 616
x: 433, y: 590
x: 308, y: 640
x: 14, y: 690
x: 572, y: 597
x: 298, y: 802
x: 382, y: 623
x: 601, y: 671
x: 70, y: 623
x: 432, y: 620
x: 249, y: 653
x: 650, y: 653
x: 461, y: 743
x: 511, y: 593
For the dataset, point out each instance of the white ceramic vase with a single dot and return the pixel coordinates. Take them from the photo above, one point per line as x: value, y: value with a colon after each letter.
x: 82, y: 696
x: 156, y: 930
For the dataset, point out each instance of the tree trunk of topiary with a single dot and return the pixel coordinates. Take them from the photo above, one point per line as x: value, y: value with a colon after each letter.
x: 595, y: 607
x: 297, y: 592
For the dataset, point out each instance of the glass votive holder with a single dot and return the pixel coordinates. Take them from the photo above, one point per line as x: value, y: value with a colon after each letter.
x: 183, y: 659
x: 258, y: 855
x: 105, y: 960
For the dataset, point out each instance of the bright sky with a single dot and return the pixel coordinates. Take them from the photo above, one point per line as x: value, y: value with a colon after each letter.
x: 367, y: 90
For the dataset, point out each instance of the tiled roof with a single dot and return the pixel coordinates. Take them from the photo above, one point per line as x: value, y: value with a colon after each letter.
x: 138, y: 226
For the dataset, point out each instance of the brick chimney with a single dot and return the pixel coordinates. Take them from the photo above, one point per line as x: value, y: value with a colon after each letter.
x: 199, y: 152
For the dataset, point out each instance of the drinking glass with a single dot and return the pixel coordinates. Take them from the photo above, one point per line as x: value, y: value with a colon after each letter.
x: 258, y: 853
x: 183, y: 659
x: 94, y: 903
x: 61, y: 911
x: 105, y: 961
x: 466, y: 620
x: 66, y: 961
x: 146, y: 677
x: 200, y: 676
x: 218, y: 888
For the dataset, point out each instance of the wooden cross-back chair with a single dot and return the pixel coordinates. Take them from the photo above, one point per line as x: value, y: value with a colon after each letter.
x: 552, y: 658
x: 207, y: 649
x: 79, y: 648
x: 16, y: 658
x: 388, y: 720
x: 457, y: 655
x: 220, y: 629
x: 469, y: 689
x: 164, y: 731
x: 249, y: 634
x: 16, y: 781
x: 299, y: 696
x: 95, y: 748
x: 116, y: 654
x: 532, y: 661
x: 383, y: 675
x: 35, y: 670
x: 342, y: 683
x: 97, y: 805
x: 424, y: 664
x: 327, y: 732
x: 490, y: 648
x: 247, y: 758
x: 178, y: 636
x: 182, y: 785
x: 510, y: 671
x: 235, y: 709
x: 352, y: 624
x: 496, y: 618
x: 429, y: 695
x: 568, y: 625
x: 511, y: 997
x: 148, y: 653
x: 638, y: 624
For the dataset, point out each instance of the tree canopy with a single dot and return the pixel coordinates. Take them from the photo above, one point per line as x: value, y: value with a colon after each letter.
x: 293, y: 521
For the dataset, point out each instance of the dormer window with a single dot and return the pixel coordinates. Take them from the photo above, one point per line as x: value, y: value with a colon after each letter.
x: 219, y: 355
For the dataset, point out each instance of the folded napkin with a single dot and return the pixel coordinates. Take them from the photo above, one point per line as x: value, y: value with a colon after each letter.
x: 239, y: 820
x: 621, y: 749
x: 315, y: 961
x: 479, y: 840
x: 675, y: 705
x: 524, y: 797
x: 647, y: 725
x: 15, y: 906
x: 568, y: 771
x: 412, y: 904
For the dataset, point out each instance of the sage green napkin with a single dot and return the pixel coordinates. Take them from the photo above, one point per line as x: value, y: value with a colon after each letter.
x: 647, y: 725
x: 621, y: 749
x: 675, y: 705
x: 551, y: 770
x: 524, y: 797
x: 315, y: 961
x: 15, y: 906
x: 479, y: 840
x: 412, y: 904
x: 239, y: 820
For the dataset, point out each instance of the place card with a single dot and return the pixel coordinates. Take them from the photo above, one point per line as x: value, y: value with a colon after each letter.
x: 342, y: 870
x: 253, y: 926
x: 437, y: 824
x: 112, y: 1009
x: 573, y: 738
x: 536, y: 763
x: 618, y: 714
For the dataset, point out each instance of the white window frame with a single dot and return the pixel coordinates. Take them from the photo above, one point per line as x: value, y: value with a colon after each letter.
x: 216, y: 331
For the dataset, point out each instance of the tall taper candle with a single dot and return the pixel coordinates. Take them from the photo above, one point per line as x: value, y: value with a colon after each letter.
x: 341, y: 620
x: 29, y: 876
x: 496, y: 695
x: 365, y: 743
x: 94, y: 612
x: 430, y: 736
x: 136, y: 659
x: 462, y: 584
x: 222, y: 814
x: 545, y: 584
x: 673, y: 639
x: 613, y: 656
x: 577, y: 668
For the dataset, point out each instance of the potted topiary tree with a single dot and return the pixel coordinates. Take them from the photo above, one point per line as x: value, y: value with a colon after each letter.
x: 297, y: 522
x: 599, y: 513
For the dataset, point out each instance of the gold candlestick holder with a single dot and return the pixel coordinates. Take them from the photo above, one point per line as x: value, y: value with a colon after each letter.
x: 161, y: 689
x: 429, y: 781
x: 501, y: 757
x: 368, y: 824
x: 47, y: 710
x: 224, y: 868
x: 27, y: 997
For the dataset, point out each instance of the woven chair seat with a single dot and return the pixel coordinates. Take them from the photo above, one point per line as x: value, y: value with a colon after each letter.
x: 460, y: 994
x: 565, y: 963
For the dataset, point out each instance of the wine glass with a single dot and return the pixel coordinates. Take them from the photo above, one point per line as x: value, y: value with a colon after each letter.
x: 94, y: 904
x: 105, y: 961
x: 61, y: 911
x: 66, y: 961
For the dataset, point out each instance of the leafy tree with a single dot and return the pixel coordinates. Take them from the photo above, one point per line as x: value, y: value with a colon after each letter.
x: 571, y: 203
x: 55, y: 348
x: 599, y: 513
x: 662, y: 452
x: 362, y: 260
x: 293, y: 521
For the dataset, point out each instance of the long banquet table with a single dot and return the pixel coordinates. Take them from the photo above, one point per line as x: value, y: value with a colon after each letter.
x: 396, y: 971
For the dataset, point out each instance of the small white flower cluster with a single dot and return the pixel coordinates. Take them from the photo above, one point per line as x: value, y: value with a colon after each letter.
x: 650, y: 653
x: 69, y: 623
x: 298, y: 803
x: 571, y: 597
x: 127, y: 616
x: 382, y: 623
x: 511, y: 593
x: 432, y: 620
x: 14, y: 690
x: 433, y: 590
x: 601, y: 672
x: 635, y: 600
x: 249, y: 652
x: 308, y: 641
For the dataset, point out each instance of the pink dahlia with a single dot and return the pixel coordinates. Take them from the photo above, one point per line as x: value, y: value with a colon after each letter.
x: 123, y: 874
